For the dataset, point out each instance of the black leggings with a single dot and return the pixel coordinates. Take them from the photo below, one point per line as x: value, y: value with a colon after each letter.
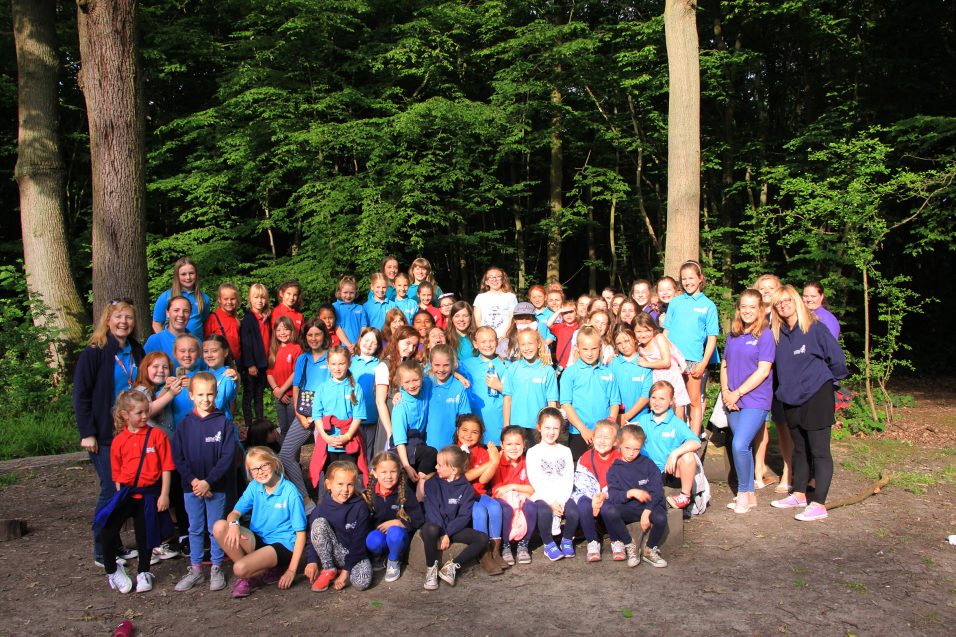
x: 132, y: 508
x: 476, y: 540
x: 177, y: 502
x: 810, y: 425
x: 426, y: 458
x: 253, y: 392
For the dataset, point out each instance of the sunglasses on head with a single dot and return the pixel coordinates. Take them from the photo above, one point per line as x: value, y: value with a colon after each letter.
x: 121, y: 299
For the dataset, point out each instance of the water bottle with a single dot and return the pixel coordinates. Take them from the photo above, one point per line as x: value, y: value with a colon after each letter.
x: 493, y: 393
x: 125, y: 629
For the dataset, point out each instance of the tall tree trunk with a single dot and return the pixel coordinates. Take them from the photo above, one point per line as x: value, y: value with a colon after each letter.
x: 592, y: 245
x: 683, y: 135
x: 519, y: 230
x: 612, y: 240
x: 112, y: 84
x: 41, y: 174
x: 555, y: 192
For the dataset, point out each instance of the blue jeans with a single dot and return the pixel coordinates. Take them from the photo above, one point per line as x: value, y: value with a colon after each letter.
x: 486, y: 516
x: 395, y: 540
x: 745, y: 424
x: 203, y: 514
x: 104, y: 471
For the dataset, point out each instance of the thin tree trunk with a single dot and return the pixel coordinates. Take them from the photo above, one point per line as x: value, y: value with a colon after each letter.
x: 592, y: 246
x: 41, y: 175
x: 519, y: 230
x: 867, y: 371
x: 112, y: 84
x: 555, y: 192
x: 639, y: 179
x: 683, y: 135
x: 612, y: 239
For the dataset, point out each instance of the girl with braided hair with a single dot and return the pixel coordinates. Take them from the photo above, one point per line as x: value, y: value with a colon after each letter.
x: 395, y: 516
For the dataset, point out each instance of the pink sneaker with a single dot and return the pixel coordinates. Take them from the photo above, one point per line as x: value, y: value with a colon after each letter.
x: 814, y: 511
x: 678, y: 501
x: 789, y: 502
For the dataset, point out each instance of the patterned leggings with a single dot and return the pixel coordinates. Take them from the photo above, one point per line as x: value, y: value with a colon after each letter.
x: 332, y: 554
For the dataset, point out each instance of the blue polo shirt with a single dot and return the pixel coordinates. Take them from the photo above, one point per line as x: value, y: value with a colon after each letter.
x: 162, y: 342
x: 408, y: 307
x: 196, y: 319
x: 633, y: 381
x: 182, y: 403
x: 413, y: 293
x: 410, y: 414
x: 363, y: 370
x: 276, y: 516
x: 225, y: 391
x: 531, y: 386
x: 466, y: 349
x: 542, y: 317
x: 351, y: 318
x: 445, y: 403
x: 375, y: 311
x: 124, y: 370
x: 316, y: 372
x: 663, y: 436
x: 591, y: 390
x: 335, y: 399
x: 489, y: 407
x: 689, y: 321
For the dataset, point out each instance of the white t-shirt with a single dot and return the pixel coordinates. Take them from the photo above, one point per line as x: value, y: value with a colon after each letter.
x: 495, y: 309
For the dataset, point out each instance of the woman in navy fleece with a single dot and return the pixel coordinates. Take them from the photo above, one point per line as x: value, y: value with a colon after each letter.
x: 808, y: 362
x: 105, y: 368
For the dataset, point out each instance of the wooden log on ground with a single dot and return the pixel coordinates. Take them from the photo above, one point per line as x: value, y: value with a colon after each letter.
x: 873, y: 489
x: 12, y: 529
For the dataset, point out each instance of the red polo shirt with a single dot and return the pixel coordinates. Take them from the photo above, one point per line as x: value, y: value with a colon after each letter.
x: 226, y: 325
x: 126, y: 450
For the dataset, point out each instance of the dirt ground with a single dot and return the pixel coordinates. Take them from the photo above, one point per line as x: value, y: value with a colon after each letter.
x: 881, y: 567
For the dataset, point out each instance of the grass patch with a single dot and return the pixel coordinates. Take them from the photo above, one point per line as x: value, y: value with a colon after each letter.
x: 909, y: 466
x: 33, y: 434
x: 7, y: 479
x: 858, y: 587
x: 800, y: 582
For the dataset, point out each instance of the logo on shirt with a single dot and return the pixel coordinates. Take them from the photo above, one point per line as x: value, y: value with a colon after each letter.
x: 455, y: 501
x: 668, y: 434
x: 216, y: 438
x: 288, y: 358
x: 452, y: 399
x: 751, y: 342
x: 281, y: 505
x: 607, y: 378
x: 539, y: 381
x: 641, y: 483
x: 150, y: 449
x: 701, y: 310
x: 802, y: 350
x: 396, y: 507
x: 350, y: 526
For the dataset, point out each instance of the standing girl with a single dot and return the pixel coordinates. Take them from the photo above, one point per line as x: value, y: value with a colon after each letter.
x: 156, y: 381
x: 426, y: 296
x: 255, y: 337
x: 641, y: 293
x: 447, y: 397
x: 449, y: 499
x: 311, y: 371
x: 408, y: 306
x: 496, y: 302
x: 513, y: 492
x: 661, y: 355
x: 187, y: 353
x: 348, y: 314
x: 746, y: 389
x: 691, y: 324
x: 338, y: 413
x: 403, y: 347
x: 395, y: 515
x: 284, y: 349
x: 484, y: 373
x: 420, y: 271
x: 326, y: 314
x: 377, y: 306
x: 140, y: 458
x: 600, y: 320
x: 816, y: 302
x: 408, y: 425
x: 808, y: 362
x: 461, y: 330
x: 667, y: 289
x: 270, y: 549
x: 633, y: 380
x: 551, y: 474
x: 394, y: 319
x: 390, y: 270
x: 528, y: 385
x: 337, y: 529
x: 366, y: 358
x: 215, y: 353
x: 224, y: 322
x: 482, y: 465
x: 627, y: 313
x: 289, y: 302
x: 767, y: 285
x: 185, y: 284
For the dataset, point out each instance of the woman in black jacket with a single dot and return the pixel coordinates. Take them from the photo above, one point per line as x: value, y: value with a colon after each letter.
x: 106, y: 367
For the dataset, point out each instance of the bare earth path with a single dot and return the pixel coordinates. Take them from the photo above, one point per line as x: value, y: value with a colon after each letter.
x: 882, y: 567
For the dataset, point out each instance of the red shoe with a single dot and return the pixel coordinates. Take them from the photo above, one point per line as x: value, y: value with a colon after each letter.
x: 324, y: 579
x: 678, y: 501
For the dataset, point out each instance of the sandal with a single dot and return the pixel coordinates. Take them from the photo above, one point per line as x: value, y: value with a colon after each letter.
x: 764, y: 482
x: 783, y: 487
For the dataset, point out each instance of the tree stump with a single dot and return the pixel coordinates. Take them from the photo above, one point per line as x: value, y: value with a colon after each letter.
x: 12, y: 529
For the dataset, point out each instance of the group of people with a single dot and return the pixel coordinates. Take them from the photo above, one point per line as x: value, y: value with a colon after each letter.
x: 493, y: 424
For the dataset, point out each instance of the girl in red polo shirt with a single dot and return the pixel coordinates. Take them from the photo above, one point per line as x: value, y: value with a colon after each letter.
x: 283, y: 350
x: 482, y: 465
x: 224, y: 322
x: 289, y: 302
x: 590, y: 482
x: 513, y: 492
x: 137, y: 442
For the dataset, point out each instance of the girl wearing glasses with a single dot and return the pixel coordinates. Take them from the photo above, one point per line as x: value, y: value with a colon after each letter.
x: 269, y: 551
x: 496, y: 302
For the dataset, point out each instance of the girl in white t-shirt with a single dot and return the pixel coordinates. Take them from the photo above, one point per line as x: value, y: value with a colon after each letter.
x: 496, y: 302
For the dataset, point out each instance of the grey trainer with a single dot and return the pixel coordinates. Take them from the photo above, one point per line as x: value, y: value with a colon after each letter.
x: 192, y: 577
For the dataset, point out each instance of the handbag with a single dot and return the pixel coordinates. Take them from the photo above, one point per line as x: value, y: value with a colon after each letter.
x: 303, y: 406
x: 718, y: 418
x: 122, y: 494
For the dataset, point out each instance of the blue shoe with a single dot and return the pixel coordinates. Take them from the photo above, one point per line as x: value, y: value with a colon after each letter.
x: 552, y: 552
x: 567, y: 548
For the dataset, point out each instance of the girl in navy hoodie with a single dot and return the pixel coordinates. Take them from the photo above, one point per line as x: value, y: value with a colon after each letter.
x: 204, y: 448
x: 337, y: 529
x: 395, y: 515
x: 449, y: 498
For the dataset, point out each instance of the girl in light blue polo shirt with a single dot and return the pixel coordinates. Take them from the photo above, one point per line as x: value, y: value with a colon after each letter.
x: 186, y: 284
x: 529, y: 385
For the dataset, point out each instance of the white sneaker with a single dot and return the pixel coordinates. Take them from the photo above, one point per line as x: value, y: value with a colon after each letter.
x: 594, y: 551
x: 431, y: 577
x: 163, y: 552
x: 555, y: 525
x: 119, y: 580
x: 630, y: 550
x: 144, y: 582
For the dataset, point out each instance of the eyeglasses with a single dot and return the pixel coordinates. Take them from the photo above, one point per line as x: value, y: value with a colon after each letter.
x: 493, y: 278
x: 260, y: 469
x: 121, y: 299
x: 783, y: 303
